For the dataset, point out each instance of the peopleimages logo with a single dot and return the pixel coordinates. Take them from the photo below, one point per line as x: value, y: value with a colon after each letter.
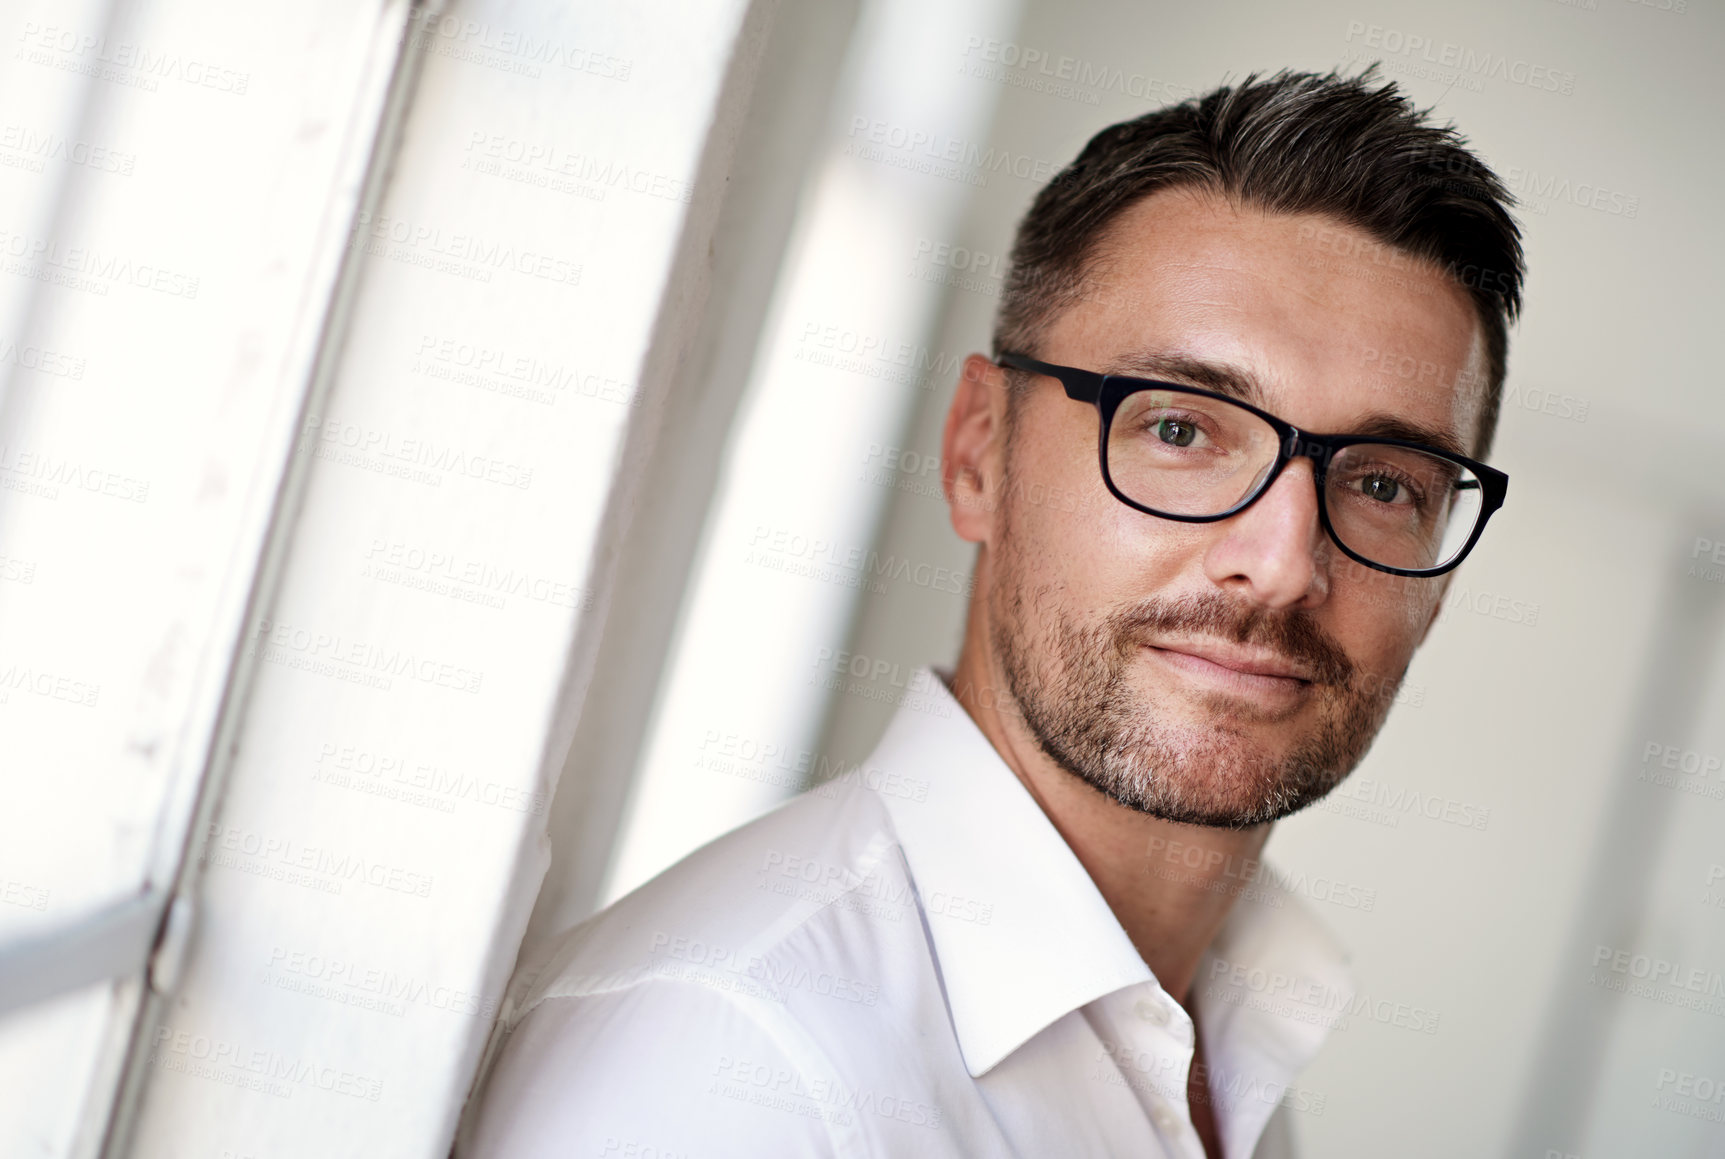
x: 874, y: 139
x: 1067, y: 77
x: 1674, y: 983
x: 38, y: 146
x: 803, y: 1093
x: 123, y: 62
x: 818, y: 558
x: 1711, y: 553
x: 1307, y: 1000
x: 235, y: 1064
x: 1466, y: 60
x: 875, y: 356
x: 86, y: 268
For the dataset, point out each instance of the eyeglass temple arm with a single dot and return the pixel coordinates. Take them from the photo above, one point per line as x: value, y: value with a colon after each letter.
x: 1081, y: 385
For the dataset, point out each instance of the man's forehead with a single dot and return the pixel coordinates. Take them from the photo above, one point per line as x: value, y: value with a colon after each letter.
x: 1275, y: 308
x: 1175, y: 245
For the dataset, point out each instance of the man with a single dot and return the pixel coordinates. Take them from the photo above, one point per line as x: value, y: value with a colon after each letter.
x: 1225, y: 454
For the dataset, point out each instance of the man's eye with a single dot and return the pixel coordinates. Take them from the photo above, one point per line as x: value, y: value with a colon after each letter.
x: 1176, y: 433
x: 1380, y: 487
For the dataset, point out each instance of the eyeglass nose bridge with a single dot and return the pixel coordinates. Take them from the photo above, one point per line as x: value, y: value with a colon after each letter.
x: 1300, y: 445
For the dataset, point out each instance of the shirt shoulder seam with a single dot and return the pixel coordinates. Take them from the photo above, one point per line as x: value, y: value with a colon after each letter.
x: 875, y: 854
x: 777, y: 1024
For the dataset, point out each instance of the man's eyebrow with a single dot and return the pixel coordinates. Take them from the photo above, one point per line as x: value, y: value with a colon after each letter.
x: 1221, y: 377
x: 1383, y: 426
x: 1240, y: 383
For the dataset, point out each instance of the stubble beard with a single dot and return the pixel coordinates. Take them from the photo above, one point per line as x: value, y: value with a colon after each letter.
x: 1071, y: 683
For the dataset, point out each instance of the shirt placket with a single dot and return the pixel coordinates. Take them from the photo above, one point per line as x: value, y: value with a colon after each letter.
x: 1152, y: 1046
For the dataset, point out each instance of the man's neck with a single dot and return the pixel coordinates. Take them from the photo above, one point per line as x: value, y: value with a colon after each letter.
x: 1170, y: 885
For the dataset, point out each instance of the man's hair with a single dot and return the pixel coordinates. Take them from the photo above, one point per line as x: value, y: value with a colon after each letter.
x: 1297, y: 142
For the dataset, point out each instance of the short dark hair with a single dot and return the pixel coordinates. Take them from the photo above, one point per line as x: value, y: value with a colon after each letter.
x: 1297, y: 142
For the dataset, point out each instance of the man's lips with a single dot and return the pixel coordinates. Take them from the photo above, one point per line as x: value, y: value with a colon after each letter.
x: 1249, y: 661
x: 1249, y: 668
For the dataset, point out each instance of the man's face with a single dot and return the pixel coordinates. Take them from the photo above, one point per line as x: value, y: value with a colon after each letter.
x: 1225, y: 673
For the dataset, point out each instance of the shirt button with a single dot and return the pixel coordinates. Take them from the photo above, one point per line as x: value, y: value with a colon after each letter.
x: 1165, y: 1119
x: 1152, y: 1012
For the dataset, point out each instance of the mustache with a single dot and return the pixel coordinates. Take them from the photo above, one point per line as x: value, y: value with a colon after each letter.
x: 1294, y: 634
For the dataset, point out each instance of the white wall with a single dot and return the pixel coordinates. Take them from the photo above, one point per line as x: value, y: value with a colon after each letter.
x: 783, y: 562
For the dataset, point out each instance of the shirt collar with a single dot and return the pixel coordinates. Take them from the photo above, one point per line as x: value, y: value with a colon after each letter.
x: 1021, y: 934
x: 1268, y: 991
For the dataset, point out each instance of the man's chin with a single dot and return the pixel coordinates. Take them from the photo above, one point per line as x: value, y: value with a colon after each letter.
x: 1205, y: 811
x: 1218, y: 773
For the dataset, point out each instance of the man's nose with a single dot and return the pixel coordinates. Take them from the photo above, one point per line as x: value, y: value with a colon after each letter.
x: 1272, y: 552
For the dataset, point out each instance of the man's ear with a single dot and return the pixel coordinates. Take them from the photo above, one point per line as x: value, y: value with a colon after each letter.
x: 969, y: 450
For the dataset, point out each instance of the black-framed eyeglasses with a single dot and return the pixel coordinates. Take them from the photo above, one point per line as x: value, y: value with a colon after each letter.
x: 1196, y: 456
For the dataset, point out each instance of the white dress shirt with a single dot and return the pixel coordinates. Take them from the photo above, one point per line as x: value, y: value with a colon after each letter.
x: 907, y: 961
